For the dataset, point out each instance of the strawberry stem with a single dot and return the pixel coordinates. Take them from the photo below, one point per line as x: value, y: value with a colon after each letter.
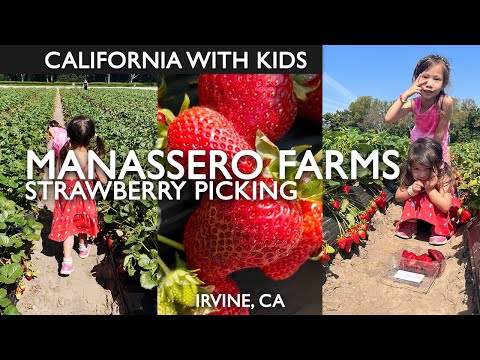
x: 164, y: 266
x: 170, y: 242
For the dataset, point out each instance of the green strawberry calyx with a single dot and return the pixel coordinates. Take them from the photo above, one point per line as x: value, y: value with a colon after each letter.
x: 308, y: 186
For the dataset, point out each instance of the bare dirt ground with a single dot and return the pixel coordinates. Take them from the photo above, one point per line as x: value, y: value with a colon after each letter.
x: 354, y: 285
x: 87, y: 291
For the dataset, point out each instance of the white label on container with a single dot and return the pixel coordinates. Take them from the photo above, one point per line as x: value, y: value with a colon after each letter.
x: 409, y: 276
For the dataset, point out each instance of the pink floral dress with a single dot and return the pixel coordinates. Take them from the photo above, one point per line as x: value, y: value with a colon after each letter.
x: 426, y: 123
x: 75, y: 216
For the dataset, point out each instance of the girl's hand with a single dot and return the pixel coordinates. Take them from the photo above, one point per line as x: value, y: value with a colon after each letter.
x: 416, y: 87
x: 431, y: 183
x: 417, y: 186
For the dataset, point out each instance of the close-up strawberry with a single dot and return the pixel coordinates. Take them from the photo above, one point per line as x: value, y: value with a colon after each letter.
x: 312, y: 240
x: 223, y: 236
x: 228, y: 287
x: 200, y: 128
x: 251, y: 102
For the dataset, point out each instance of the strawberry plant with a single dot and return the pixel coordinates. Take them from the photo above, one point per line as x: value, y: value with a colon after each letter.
x: 465, y: 161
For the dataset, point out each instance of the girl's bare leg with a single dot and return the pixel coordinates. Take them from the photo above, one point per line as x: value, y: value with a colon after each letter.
x: 82, y: 239
x: 68, y: 247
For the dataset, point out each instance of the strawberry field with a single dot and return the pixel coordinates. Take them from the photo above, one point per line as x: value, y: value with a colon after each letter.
x: 361, y: 210
x: 24, y: 115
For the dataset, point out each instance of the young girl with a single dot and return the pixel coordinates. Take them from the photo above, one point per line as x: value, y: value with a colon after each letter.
x: 433, y: 108
x: 77, y: 216
x: 58, y: 136
x: 426, y: 187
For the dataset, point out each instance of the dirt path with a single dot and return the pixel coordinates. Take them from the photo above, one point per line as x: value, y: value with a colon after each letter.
x: 355, y: 285
x: 86, y: 291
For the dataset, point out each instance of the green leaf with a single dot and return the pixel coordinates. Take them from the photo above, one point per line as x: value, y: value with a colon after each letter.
x: 27, y: 230
x: 10, y: 273
x: 12, y: 310
x: 108, y: 219
x: 37, y: 226
x: 6, y: 241
x: 3, y: 292
x: 16, y: 258
x: 350, y: 219
x: 33, y: 237
x: 146, y: 280
x: 4, y: 302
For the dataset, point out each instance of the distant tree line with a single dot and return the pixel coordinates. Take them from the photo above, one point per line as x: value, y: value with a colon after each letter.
x: 127, y: 78
x: 368, y: 113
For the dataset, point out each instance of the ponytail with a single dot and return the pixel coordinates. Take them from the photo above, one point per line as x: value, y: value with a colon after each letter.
x: 64, y: 151
x: 439, y: 96
x: 100, y: 147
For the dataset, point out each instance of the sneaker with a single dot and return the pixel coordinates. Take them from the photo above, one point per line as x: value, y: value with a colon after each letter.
x: 437, y: 240
x: 67, y: 268
x: 407, y: 229
x: 83, y: 252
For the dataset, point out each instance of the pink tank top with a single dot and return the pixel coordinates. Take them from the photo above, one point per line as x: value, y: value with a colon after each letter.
x: 427, y: 122
x: 59, y: 139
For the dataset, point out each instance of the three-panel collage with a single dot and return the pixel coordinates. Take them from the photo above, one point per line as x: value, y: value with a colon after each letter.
x: 351, y: 191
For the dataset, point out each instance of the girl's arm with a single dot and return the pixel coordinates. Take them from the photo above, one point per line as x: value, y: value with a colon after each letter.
x: 402, y: 195
x: 441, y: 198
x: 101, y: 176
x: 399, y: 110
x: 445, y: 116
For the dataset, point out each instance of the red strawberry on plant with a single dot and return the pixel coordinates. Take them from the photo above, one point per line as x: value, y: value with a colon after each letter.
x: 200, y: 128
x: 223, y: 236
x: 383, y: 194
x: 228, y: 287
x: 251, y: 102
x: 362, y: 234
x: 465, y: 216
x: 310, y: 106
x: 346, y: 188
x: 336, y: 204
x: 311, y: 241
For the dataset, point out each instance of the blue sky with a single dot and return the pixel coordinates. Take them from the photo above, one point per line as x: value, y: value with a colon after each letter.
x: 385, y: 71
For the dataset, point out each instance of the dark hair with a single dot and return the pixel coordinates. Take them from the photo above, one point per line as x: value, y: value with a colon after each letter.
x: 426, y: 63
x: 427, y: 152
x: 53, y: 123
x: 80, y: 131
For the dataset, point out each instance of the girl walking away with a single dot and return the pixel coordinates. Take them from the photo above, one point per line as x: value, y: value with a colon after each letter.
x: 77, y: 216
x: 426, y: 188
x: 433, y: 108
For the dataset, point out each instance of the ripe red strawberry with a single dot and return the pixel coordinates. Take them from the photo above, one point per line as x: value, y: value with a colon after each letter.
x: 200, y: 128
x: 465, y: 216
x: 251, y: 102
x: 336, y: 204
x: 346, y: 188
x: 223, y: 236
x: 312, y: 240
x: 311, y: 108
x: 228, y: 287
